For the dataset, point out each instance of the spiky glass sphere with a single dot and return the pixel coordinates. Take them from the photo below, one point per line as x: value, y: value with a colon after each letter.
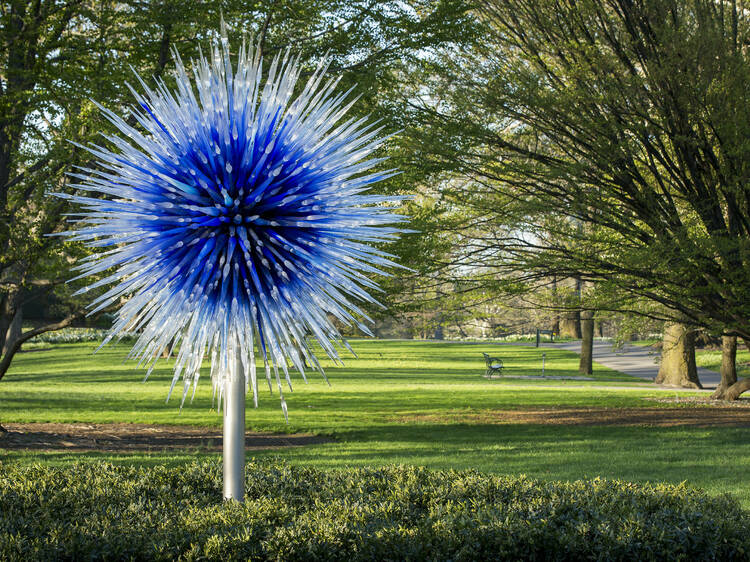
x: 235, y: 219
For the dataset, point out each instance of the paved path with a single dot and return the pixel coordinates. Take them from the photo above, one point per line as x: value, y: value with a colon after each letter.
x: 638, y: 361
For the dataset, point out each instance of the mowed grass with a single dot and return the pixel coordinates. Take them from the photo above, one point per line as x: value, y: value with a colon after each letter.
x: 420, y: 403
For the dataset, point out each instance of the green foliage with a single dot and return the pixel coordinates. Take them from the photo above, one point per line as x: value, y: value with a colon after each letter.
x: 100, y: 511
x: 605, y: 141
x: 56, y: 57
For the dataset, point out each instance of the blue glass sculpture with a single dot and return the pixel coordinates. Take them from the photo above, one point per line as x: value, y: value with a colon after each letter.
x: 236, y: 218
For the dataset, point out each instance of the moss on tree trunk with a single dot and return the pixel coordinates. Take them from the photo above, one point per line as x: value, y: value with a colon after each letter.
x: 678, y: 357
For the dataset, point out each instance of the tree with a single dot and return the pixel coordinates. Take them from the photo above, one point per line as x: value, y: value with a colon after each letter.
x: 677, y: 366
x: 56, y: 55
x: 728, y: 366
x: 629, y: 117
x: 586, y: 363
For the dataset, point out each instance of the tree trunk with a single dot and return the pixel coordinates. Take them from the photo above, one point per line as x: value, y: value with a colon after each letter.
x: 15, y: 329
x: 26, y: 336
x: 729, y: 388
x: 734, y: 391
x: 678, y: 357
x: 7, y: 314
x: 7, y: 308
x: 586, y: 365
x: 570, y: 325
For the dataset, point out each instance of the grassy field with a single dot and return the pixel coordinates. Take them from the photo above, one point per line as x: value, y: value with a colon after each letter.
x: 416, y: 403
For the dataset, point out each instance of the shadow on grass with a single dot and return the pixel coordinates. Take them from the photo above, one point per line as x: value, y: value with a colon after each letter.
x: 344, y: 376
x: 672, y: 454
x: 306, y: 407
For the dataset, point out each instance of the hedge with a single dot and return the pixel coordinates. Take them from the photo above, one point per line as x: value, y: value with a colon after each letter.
x: 97, y: 511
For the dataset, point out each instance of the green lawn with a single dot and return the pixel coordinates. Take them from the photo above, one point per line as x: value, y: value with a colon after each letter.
x: 401, y: 402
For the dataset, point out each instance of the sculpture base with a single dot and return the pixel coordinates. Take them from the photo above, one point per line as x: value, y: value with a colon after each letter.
x: 234, y: 433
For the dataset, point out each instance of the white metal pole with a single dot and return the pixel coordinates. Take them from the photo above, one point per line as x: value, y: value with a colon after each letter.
x: 234, y: 431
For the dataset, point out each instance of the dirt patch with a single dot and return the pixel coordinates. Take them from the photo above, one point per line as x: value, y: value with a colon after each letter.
x: 660, y: 417
x: 125, y: 437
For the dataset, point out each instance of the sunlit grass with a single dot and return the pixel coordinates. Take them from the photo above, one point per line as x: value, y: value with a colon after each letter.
x: 372, y: 403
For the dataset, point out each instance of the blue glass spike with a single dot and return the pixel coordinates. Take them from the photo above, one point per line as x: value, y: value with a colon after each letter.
x: 236, y: 218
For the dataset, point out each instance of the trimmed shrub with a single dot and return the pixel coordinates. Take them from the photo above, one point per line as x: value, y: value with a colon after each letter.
x: 96, y: 511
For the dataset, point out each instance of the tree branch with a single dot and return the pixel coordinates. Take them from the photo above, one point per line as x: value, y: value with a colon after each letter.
x: 26, y: 336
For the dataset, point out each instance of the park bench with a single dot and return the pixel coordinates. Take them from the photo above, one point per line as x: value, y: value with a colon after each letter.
x: 494, y: 366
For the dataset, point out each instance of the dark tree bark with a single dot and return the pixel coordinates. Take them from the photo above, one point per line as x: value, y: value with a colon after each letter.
x: 556, y: 323
x: 678, y: 357
x: 586, y: 365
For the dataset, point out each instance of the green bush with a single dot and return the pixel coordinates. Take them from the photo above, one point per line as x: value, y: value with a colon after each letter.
x: 101, y: 511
